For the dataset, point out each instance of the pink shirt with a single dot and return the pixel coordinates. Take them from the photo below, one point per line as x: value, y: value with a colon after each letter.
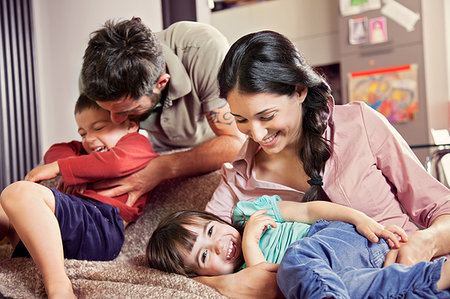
x: 372, y: 170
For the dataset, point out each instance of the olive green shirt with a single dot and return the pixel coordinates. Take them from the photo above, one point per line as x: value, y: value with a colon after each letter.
x: 193, y: 53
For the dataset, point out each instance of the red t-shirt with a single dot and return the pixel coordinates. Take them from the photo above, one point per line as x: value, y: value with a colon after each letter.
x: 132, y: 153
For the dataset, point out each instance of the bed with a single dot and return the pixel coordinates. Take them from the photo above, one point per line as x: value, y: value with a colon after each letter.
x: 128, y: 276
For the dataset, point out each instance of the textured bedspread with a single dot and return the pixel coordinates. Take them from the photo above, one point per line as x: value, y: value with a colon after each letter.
x: 128, y: 276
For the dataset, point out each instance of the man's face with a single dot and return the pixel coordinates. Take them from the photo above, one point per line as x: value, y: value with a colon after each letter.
x: 127, y: 107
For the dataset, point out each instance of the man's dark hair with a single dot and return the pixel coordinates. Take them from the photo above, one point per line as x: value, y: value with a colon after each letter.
x: 122, y: 59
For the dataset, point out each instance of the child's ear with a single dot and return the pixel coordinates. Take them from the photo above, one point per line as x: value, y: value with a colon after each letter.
x: 133, y: 125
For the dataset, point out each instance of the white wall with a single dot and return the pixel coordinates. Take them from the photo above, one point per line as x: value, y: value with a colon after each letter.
x: 62, y: 29
x: 436, y: 42
x: 311, y: 24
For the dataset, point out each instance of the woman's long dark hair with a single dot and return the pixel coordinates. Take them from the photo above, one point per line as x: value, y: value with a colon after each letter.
x: 267, y: 62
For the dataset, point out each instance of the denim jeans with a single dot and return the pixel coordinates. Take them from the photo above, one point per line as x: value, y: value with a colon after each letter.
x: 335, y: 261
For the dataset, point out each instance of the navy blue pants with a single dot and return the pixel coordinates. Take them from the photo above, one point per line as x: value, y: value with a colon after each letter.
x: 334, y: 260
x: 90, y: 230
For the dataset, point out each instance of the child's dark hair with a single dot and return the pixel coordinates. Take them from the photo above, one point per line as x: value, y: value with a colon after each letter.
x: 267, y: 62
x: 164, y: 249
x: 83, y: 103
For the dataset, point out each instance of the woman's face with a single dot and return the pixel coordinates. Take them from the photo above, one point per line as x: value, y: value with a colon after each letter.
x: 274, y: 121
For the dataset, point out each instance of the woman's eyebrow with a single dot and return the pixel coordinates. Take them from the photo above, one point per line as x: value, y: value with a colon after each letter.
x: 258, y: 113
x: 265, y: 110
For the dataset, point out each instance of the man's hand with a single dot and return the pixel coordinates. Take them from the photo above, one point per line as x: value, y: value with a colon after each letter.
x: 259, y: 281
x: 136, y: 184
x: 43, y: 172
x: 417, y: 249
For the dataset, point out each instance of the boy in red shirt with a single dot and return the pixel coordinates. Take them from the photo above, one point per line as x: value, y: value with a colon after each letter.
x: 83, y: 224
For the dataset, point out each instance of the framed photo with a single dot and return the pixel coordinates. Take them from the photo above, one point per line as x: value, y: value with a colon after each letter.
x: 357, y: 30
x: 353, y: 7
x: 378, y: 30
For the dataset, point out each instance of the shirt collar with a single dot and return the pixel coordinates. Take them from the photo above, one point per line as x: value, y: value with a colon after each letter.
x: 245, y: 159
x: 180, y: 83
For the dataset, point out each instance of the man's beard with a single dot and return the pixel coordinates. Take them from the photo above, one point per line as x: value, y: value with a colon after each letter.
x: 155, y: 98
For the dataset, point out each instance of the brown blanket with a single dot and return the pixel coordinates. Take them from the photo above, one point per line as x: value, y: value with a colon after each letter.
x: 128, y: 276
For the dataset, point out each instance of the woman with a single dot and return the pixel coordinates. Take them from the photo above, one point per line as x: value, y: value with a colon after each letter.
x: 302, y: 148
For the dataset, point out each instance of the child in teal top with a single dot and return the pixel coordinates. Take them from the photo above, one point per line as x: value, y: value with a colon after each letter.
x: 274, y: 241
x: 195, y: 243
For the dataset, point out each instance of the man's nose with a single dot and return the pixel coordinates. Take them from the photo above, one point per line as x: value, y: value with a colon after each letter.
x: 118, y: 118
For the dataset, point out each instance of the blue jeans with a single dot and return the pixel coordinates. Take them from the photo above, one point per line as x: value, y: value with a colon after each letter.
x: 335, y: 261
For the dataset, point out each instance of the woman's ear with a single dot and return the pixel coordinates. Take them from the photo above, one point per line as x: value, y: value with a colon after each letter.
x: 302, y: 93
x: 133, y: 126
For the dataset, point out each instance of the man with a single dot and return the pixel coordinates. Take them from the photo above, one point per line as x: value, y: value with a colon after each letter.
x: 168, y: 81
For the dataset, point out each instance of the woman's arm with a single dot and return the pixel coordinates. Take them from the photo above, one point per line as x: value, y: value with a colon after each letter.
x: 259, y: 281
x: 310, y: 212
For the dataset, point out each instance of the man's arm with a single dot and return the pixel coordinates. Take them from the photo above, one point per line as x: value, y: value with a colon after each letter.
x: 203, y: 158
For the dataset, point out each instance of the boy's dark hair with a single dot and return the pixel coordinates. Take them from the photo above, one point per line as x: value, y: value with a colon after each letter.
x: 83, y: 103
x: 122, y: 59
x: 267, y: 62
x: 163, y: 249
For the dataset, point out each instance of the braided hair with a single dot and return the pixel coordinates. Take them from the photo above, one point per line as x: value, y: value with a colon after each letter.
x: 267, y: 62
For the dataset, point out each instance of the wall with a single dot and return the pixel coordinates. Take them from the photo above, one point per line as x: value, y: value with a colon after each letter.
x: 62, y: 29
x: 436, y: 45
x: 311, y: 25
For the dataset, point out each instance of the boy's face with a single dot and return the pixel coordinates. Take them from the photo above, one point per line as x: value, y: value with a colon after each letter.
x: 98, y: 132
x: 217, y: 249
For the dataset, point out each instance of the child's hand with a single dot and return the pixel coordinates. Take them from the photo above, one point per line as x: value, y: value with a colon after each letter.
x: 43, y: 172
x: 256, y: 225
x: 372, y: 230
x: 71, y: 189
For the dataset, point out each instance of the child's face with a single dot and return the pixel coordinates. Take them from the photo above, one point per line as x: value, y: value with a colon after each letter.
x: 98, y: 132
x: 217, y: 249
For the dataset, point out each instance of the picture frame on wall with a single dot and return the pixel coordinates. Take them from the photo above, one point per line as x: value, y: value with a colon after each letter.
x: 358, y: 31
x: 378, y: 30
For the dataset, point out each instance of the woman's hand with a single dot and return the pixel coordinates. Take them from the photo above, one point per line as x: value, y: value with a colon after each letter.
x: 259, y: 281
x: 43, y: 172
x: 372, y: 230
x: 417, y: 249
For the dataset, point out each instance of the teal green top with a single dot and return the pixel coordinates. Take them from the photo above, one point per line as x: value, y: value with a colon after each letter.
x: 274, y: 241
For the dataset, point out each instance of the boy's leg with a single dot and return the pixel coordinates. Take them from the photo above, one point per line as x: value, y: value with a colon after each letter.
x: 30, y: 208
x: 6, y: 229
